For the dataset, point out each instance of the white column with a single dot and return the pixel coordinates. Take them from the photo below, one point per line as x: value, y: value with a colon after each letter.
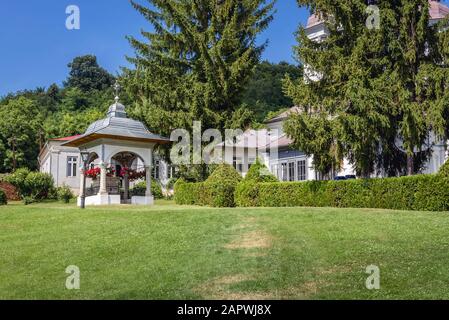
x: 148, y: 180
x: 103, y: 189
x: 81, y: 180
x: 126, y: 186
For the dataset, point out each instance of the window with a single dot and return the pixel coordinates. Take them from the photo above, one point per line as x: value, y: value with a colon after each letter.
x: 171, y: 171
x: 237, y: 163
x: 156, y: 169
x: 302, y: 173
x: 291, y: 171
x: 284, y: 172
x: 72, y: 166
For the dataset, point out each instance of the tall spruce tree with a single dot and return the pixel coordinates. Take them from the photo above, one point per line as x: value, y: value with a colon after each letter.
x: 382, y: 92
x: 196, y: 62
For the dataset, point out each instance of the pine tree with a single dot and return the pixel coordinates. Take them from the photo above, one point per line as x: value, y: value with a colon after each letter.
x: 381, y: 91
x: 196, y: 62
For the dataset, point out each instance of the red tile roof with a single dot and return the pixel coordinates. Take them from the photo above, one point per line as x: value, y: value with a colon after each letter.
x: 66, y: 138
x: 437, y: 10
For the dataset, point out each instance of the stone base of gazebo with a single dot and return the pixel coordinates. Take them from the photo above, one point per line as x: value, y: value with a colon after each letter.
x: 101, y: 200
x: 142, y: 200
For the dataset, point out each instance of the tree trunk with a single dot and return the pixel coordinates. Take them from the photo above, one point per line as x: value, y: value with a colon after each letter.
x: 410, y: 165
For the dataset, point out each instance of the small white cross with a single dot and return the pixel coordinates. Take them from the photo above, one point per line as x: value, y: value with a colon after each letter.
x: 117, y: 88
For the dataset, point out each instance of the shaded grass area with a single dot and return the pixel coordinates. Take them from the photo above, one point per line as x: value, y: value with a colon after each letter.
x: 181, y: 252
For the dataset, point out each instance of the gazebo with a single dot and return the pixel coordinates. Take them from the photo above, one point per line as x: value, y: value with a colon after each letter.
x: 121, y: 140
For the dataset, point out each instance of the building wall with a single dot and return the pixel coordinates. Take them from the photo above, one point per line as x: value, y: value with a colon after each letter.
x: 53, y: 160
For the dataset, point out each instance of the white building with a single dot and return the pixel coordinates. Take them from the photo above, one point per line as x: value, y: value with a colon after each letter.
x: 288, y: 164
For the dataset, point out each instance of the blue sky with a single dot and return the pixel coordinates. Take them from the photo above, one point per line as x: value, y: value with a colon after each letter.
x: 36, y: 46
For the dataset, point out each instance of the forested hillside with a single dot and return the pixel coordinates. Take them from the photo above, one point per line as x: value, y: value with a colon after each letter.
x: 29, y: 117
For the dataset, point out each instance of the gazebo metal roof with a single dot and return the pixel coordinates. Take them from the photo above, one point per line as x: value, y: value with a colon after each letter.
x: 117, y: 126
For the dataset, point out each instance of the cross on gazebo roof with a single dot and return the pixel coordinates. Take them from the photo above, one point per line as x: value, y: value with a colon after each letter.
x: 117, y: 89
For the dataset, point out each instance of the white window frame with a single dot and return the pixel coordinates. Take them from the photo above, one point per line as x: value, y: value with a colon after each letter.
x: 299, y: 166
x: 291, y: 175
x: 72, y: 166
x: 284, y: 171
x: 157, y: 169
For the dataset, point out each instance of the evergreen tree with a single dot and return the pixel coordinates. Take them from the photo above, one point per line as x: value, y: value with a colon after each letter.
x: 197, y: 62
x: 85, y: 74
x: 381, y: 91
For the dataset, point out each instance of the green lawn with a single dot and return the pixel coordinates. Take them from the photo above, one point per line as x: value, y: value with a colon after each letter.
x: 173, y: 252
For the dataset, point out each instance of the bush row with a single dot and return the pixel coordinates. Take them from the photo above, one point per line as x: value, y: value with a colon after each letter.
x: 217, y: 191
x: 423, y: 192
x: 224, y: 188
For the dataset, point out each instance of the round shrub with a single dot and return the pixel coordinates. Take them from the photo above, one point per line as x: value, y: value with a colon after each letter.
x: 259, y: 173
x: 141, y: 188
x: 220, y: 186
x: 39, y: 185
x: 3, y: 200
x: 64, y: 194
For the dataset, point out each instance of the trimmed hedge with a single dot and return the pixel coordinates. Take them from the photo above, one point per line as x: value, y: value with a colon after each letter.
x: 217, y: 191
x: 3, y: 200
x: 190, y: 193
x: 423, y: 192
x: 444, y: 169
x: 247, y: 191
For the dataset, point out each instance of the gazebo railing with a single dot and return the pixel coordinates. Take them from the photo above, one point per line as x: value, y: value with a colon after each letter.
x: 92, y: 191
x: 112, y: 190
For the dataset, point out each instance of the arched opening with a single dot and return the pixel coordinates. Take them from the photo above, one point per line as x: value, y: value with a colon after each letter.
x: 126, y: 170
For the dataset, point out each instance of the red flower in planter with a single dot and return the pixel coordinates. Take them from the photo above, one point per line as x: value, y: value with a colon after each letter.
x: 95, y: 172
x: 92, y: 173
x: 132, y: 174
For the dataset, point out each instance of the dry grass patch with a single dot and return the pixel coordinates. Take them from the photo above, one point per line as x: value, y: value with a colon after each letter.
x: 219, y: 289
x: 251, y: 240
x: 254, y: 239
